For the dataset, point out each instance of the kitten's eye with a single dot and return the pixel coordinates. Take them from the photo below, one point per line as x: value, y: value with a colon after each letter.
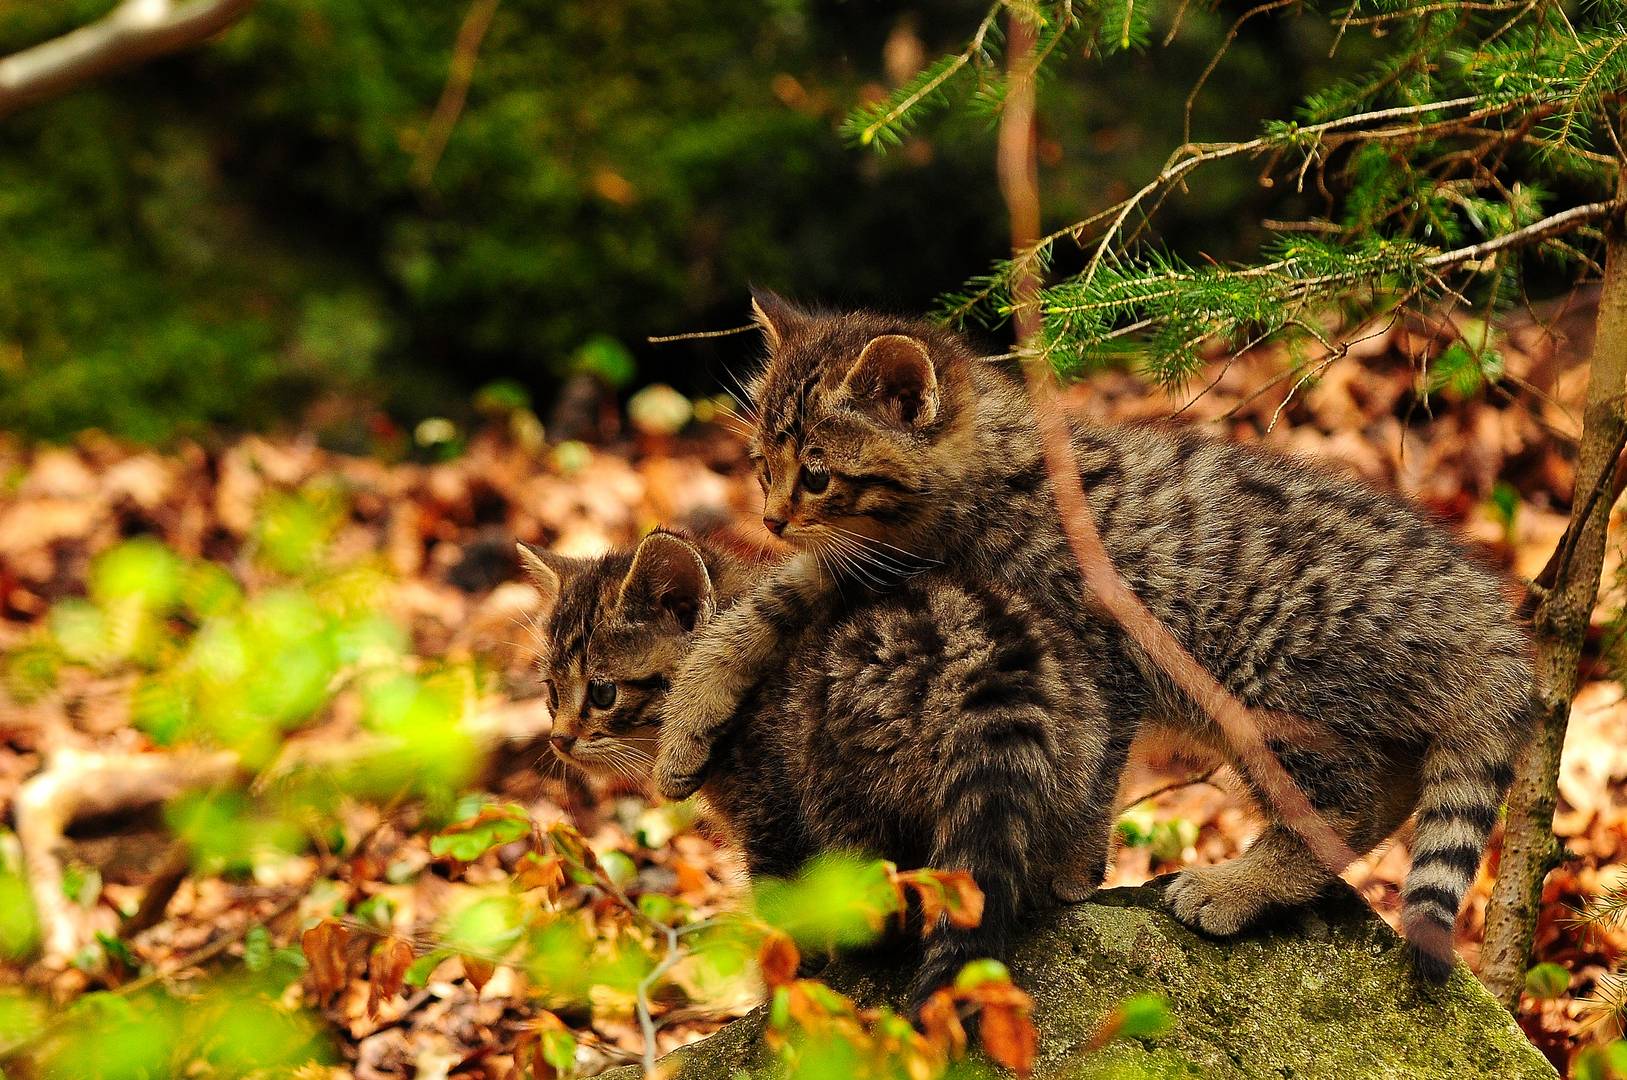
x: 553, y: 695
x: 814, y: 481
x: 601, y: 693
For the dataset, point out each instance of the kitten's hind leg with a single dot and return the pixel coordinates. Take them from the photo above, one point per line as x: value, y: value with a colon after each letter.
x: 1277, y: 870
x: 1084, y: 864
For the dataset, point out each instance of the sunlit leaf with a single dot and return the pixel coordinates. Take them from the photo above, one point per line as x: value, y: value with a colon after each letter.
x: 142, y: 571
x: 1547, y: 981
x: 492, y: 827
x: 836, y: 901
x: 19, y: 928
x: 486, y: 928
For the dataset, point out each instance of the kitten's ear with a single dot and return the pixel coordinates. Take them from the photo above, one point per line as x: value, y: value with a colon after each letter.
x: 776, y: 316
x: 547, y: 571
x: 895, y: 372
x: 668, y: 576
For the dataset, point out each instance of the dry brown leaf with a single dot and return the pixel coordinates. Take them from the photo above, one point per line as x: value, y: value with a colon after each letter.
x: 324, y: 947
x: 386, y: 969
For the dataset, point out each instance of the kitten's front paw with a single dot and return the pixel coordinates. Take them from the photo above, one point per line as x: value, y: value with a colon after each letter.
x: 680, y: 767
x: 1210, y: 899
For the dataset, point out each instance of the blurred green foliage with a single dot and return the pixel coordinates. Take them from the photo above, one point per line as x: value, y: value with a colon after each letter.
x: 219, y: 236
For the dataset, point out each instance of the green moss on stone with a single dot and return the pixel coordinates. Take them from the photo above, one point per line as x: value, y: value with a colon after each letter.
x: 1325, y: 993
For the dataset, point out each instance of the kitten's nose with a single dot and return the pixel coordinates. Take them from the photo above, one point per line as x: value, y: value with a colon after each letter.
x: 562, y: 743
x: 775, y: 525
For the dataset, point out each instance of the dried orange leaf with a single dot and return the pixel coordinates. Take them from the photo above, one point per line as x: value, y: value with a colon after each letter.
x: 546, y: 872
x: 1009, y: 1037
x: 940, y: 1021
x: 778, y: 960
x: 965, y: 899
x: 477, y: 971
x: 579, y: 858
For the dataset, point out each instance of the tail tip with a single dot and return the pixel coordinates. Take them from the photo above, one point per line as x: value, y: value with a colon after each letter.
x: 1432, y: 967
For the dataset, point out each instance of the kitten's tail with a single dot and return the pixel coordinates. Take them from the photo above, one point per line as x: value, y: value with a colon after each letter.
x: 1462, y: 791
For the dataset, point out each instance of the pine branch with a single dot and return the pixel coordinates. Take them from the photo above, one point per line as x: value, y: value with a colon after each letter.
x: 886, y: 123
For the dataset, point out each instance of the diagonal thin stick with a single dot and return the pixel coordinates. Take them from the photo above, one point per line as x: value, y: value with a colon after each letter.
x: 1103, y: 586
x: 459, y: 75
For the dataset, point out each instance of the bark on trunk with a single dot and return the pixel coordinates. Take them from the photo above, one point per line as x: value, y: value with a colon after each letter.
x: 1559, y: 625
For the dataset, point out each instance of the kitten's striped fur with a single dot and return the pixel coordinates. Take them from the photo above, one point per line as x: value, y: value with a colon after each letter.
x: 1385, y: 662
x: 916, y: 724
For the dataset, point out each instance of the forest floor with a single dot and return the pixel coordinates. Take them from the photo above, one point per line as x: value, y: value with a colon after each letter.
x: 1494, y: 464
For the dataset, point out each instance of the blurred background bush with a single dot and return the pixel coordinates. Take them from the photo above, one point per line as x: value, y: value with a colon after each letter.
x: 235, y: 234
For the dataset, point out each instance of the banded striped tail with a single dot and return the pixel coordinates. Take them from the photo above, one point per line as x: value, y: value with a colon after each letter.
x: 1457, y: 809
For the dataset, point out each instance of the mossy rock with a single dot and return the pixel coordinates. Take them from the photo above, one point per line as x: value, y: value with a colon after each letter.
x: 1326, y: 992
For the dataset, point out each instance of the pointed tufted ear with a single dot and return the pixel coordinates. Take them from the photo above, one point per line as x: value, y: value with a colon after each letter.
x: 776, y: 316
x: 548, y: 572
x: 668, y: 577
x: 894, y: 372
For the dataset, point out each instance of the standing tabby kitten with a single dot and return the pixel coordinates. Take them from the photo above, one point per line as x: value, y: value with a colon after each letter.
x: 1384, y: 664
x: 927, y: 724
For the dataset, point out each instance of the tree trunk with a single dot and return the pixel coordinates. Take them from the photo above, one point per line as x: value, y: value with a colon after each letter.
x: 1559, y: 625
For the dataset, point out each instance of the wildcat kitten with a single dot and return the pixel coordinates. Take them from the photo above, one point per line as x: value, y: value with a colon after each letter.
x: 1385, y: 666
x: 931, y: 724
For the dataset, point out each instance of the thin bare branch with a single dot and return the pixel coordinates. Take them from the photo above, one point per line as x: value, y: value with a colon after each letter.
x: 133, y: 32
x: 460, y: 73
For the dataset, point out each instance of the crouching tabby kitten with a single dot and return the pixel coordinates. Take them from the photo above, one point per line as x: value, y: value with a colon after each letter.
x: 1383, y: 663
x: 923, y: 724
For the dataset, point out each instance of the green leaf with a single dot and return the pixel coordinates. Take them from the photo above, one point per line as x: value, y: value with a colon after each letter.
x: 1547, y: 981
x: 257, y: 949
x: 143, y: 571
x: 838, y: 900
x: 981, y: 972
x: 559, y: 1050
x: 619, y: 867
x: 485, y: 928
x: 422, y: 968
x: 606, y: 359
x: 492, y: 827
x: 1144, y: 1016
x: 118, y: 950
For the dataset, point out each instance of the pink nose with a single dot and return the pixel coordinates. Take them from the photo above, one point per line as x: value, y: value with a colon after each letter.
x: 774, y: 525
x: 562, y: 743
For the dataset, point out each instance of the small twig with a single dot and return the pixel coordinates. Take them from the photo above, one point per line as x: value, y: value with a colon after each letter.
x: 1194, y: 780
x: 695, y: 335
x: 459, y: 75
